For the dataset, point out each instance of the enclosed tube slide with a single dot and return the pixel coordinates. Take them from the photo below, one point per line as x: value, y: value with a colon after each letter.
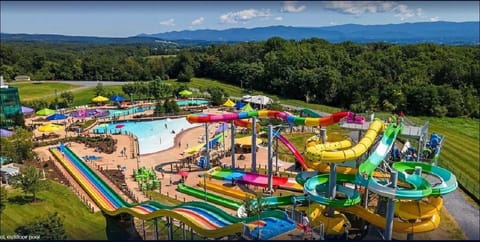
x: 291, y: 119
x: 205, y: 219
x: 349, y: 154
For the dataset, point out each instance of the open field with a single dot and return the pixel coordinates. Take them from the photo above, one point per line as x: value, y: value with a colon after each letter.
x: 79, y: 223
x: 32, y: 90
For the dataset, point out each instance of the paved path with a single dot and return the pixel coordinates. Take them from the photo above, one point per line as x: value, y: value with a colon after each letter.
x: 465, y: 213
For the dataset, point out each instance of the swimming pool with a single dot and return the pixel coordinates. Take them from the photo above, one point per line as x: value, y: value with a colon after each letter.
x: 188, y: 102
x: 124, y: 112
x: 153, y: 136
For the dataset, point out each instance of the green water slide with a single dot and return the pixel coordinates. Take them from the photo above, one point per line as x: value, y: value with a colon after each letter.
x: 317, y: 189
x: 213, y: 198
x: 448, y: 181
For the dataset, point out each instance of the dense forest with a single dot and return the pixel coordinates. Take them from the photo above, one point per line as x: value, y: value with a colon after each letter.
x: 421, y: 79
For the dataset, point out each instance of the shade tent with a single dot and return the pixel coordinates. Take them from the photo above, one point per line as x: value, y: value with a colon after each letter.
x: 229, y: 103
x: 99, y: 99
x: 185, y: 93
x: 247, y: 108
x: 117, y: 98
x: 239, y: 105
x: 57, y: 116
x: 5, y: 133
x: 27, y: 109
x: 45, y: 112
x: 221, y: 128
x: 50, y: 128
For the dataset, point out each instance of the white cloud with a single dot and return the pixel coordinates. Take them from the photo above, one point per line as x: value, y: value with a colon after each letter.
x: 401, y: 11
x: 198, y: 21
x: 169, y: 22
x: 244, y: 15
x: 435, y: 19
x: 279, y: 18
x: 291, y: 7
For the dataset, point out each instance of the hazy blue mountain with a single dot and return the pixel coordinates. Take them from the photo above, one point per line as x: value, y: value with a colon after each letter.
x: 437, y: 32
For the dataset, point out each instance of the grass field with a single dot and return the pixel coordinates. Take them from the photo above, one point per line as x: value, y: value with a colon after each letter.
x: 79, y: 223
x: 32, y: 90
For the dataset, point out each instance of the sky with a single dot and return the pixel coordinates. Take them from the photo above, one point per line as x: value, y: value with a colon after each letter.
x: 130, y: 18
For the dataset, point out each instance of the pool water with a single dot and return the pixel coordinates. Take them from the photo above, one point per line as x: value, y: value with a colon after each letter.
x: 153, y: 136
x: 188, y: 102
x: 124, y: 112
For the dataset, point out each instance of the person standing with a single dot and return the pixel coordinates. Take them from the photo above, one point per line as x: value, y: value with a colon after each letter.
x: 306, y: 225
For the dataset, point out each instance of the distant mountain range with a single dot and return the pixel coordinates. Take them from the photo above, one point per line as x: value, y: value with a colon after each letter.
x: 437, y: 32
x: 450, y: 33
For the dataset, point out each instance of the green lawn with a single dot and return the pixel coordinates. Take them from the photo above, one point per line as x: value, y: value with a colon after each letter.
x: 80, y: 224
x: 33, y: 90
x: 85, y: 96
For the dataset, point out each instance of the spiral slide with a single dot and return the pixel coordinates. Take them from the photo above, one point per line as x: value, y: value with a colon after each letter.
x: 349, y: 154
x: 205, y: 219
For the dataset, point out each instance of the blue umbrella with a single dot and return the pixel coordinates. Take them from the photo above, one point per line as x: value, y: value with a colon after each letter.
x: 239, y: 105
x: 117, y: 98
x: 57, y: 116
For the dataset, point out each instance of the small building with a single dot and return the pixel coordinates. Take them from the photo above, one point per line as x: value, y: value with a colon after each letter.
x: 9, y: 105
x: 22, y: 78
x: 7, y: 172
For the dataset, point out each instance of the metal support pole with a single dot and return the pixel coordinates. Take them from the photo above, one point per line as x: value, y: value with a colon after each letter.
x: 184, y: 232
x: 276, y: 155
x: 156, y: 228
x: 143, y: 229
x: 391, y: 206
x: 332, y: 186
x: 192, y: 235
x: 270, y: 158
x: 207, y: 147
x: 254, y: 144
x: 323, y: 135
x: 170, y: 228
x: 232, y: 140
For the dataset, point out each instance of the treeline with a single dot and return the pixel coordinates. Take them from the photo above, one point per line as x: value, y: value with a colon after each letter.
x: 420, y: 79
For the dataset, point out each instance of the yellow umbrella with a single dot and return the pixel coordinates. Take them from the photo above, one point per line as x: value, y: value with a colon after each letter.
x: 246, y: 141
x: 229, y: 103
x: 100, y: 99
x: 50, y: 128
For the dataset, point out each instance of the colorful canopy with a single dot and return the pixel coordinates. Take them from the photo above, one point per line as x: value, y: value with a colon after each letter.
x: 45, y: 112
x: 247, y: 141
x: 185, y: 93
x: 99, y: 99
x: 117, y: 98
x: 229, y: 103
x: 57, y: 116
x: 247, y: 108
x: 50, y: 128
x: 5, y: 133
x: 27, y: 109
x: 239, y: 104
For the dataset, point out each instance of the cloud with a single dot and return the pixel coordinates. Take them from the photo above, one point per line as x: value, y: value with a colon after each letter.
x: 279, y: 18
x: 290, y: 7
x: 198, y: 21
x: 401, y: 11
x: 435, y: 19
x: 170, y: 22
x: 244, y: 15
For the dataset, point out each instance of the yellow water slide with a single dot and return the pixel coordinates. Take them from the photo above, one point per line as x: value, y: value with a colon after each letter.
x: 234, y: 193
x: 422, y: 209
x: 422, y: 225
x: 332, y: 225
x: 321, y: 155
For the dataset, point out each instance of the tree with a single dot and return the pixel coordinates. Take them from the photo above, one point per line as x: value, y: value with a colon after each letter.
x: 3, y: 198
x: 99, y: 89
x: 50, y: 227
x: 217, y: 95
x: 19, y: 146
x: 68, y: 98
x: 29, y: 180
x: 254, y: 206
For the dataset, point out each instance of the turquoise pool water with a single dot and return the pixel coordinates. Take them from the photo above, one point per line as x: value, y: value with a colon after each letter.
x: 189, y: 102
x: 153, y: 136
x: 124, y: 112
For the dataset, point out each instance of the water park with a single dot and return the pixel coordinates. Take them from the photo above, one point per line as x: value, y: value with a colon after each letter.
x: 230, y: 177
